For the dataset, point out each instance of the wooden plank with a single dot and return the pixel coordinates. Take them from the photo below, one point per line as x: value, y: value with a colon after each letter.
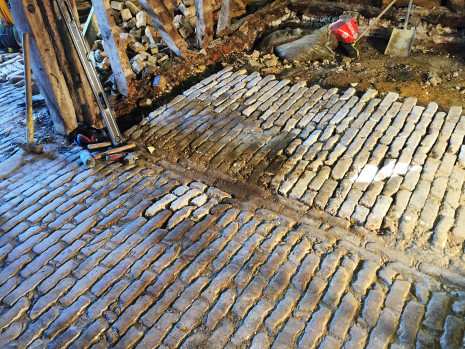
x: 87, y: 111
x: 45, y: 66
x: 224, y: 18
x: 204, y: 26
x: 91, y: 28
x: 162, y: 21
x: 170, y: 7
x: 114, y: 46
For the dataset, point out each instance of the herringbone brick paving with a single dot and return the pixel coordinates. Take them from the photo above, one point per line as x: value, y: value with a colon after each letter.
x: 157, y: 255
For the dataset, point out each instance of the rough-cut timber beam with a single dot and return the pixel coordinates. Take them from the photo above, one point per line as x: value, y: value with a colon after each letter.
x: 44, y: 64
x: 224, y: 19
x: 162, y: 21
x: 169, y: 6
x: 204, y: 26
x: 87, y: 110
x: 114, y: 45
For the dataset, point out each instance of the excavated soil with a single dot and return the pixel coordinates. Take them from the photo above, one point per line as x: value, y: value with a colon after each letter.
x: 372, y: 69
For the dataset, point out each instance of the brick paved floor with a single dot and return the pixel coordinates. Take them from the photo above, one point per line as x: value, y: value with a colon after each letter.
x: 12, y: 106
x: 384, y: 163
x: 158, y: 254
x: 146, y: 256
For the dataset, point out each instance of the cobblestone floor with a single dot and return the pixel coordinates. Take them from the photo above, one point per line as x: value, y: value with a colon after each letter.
x: 384, y: 163
x: 164, y: 254
x: 143, y: 256
x: 12, y: 118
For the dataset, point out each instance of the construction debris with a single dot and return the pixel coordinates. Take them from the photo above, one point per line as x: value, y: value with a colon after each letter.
x: 318, y: 45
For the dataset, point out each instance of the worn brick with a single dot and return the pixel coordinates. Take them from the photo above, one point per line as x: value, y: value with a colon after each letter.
x: 162, y: 304
x: 102, y: 303
x: 129, y: 339
x: 251, y: 294
x: 67, y: 317
x: 372, y: 306
x: 14, y: 313
x: 50, y: 297
x: 156, y: 334
x: 410, y: 323
x: 384, y: 330
x: 91, y: 334
x: 132, y: 313
x: 36, y: 328
x: 26, y: 286
x: 436, y: 312
x: 315, y: 328
x: 312, y: 296
x: 82, y: 285
x: 221, y: 308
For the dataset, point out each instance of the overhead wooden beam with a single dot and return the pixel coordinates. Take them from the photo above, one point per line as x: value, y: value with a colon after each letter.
x: 115, y: 48
x: 45, y: 65
x: 163, y: 22
x: 204, y: 26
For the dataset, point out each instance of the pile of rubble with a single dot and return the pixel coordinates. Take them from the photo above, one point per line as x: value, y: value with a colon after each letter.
x: 144, y: 45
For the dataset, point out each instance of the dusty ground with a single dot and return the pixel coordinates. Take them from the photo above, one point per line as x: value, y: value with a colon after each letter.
x: 373, y: 69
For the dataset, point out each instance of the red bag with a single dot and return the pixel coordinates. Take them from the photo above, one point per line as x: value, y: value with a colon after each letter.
x: 345, y: 30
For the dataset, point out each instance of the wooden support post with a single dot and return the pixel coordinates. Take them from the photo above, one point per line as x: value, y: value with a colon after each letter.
x: 204, y: 26
x: 114, y: 47
x: 162, y: 21
x: 224, y: 19
x: 45, y: 63
x: 169, y: 6
x: 28, y: 86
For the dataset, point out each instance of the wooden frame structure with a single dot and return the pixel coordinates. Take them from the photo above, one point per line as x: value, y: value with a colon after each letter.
x: 56, y: 66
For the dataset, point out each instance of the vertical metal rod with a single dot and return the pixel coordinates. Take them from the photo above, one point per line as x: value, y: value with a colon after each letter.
x: 408, y: 13
x: 28, y: 84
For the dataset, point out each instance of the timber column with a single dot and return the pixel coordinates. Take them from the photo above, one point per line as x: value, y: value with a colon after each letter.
x: 56, y: 66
